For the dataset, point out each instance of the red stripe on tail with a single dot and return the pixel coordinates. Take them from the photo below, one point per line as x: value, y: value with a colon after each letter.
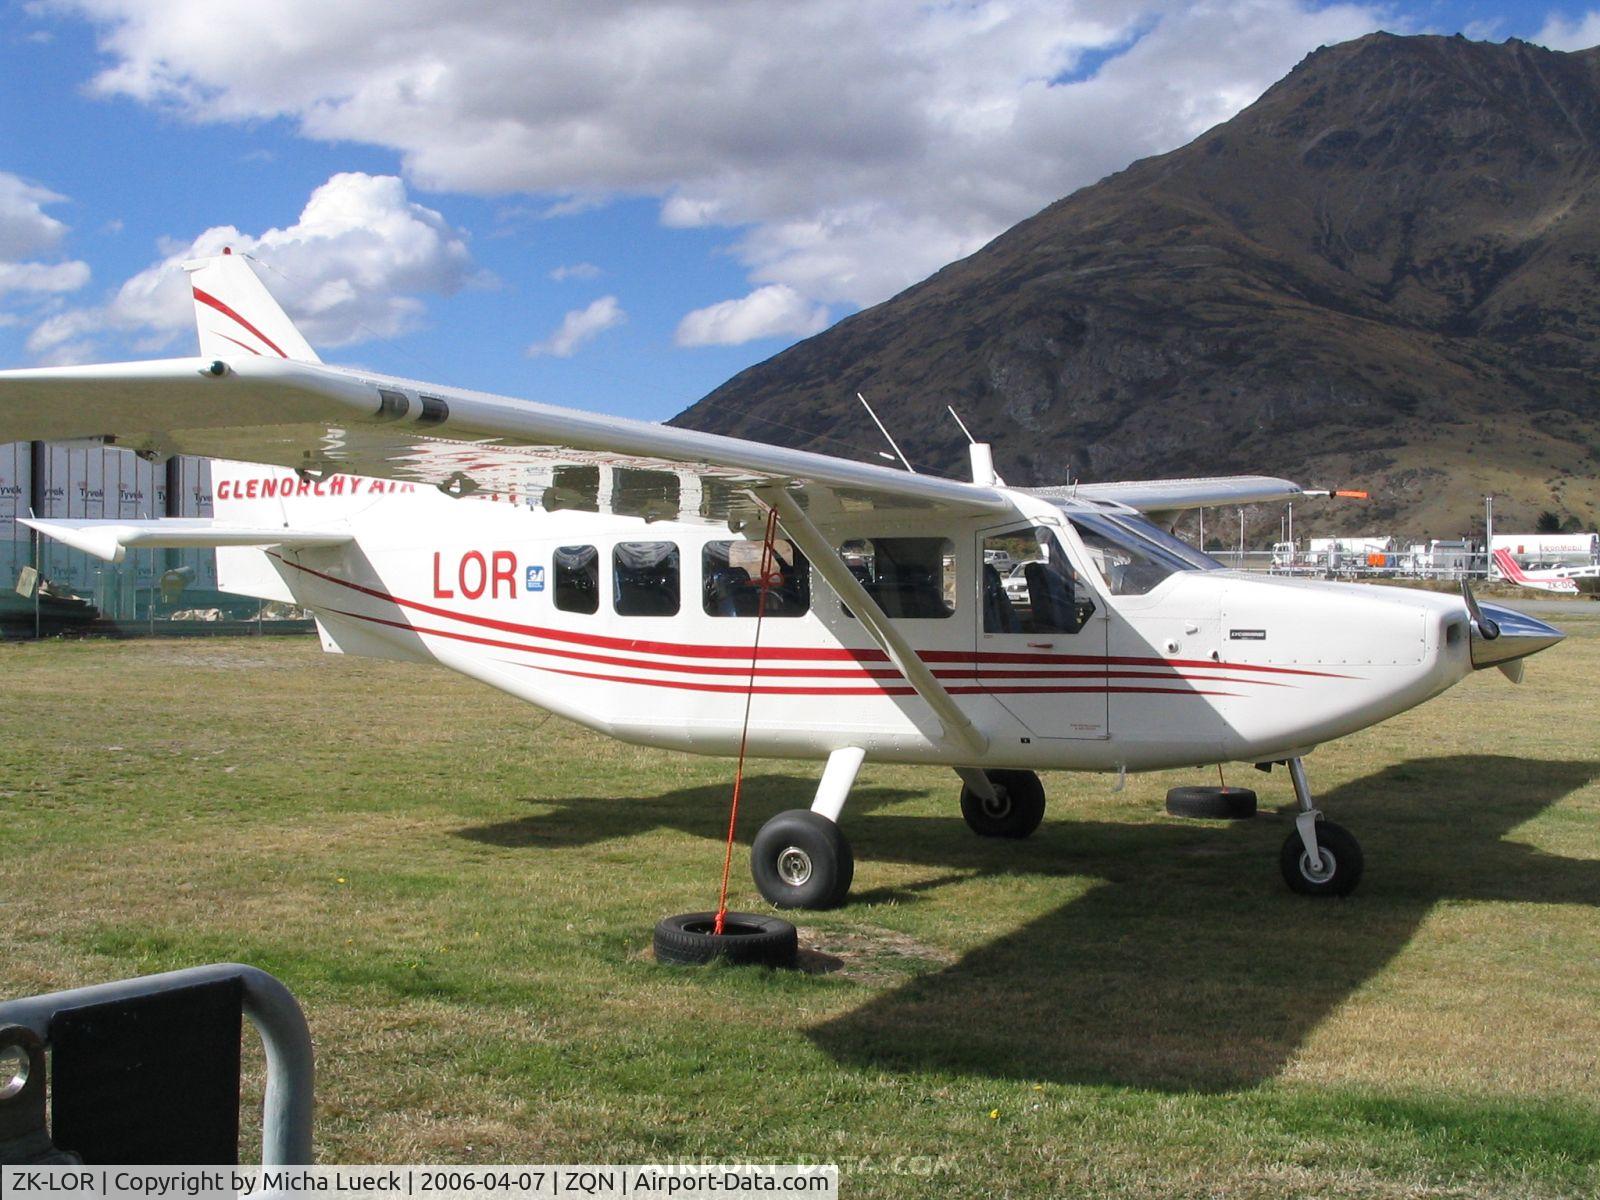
x: 211, y: 301
x: 1509, y: 567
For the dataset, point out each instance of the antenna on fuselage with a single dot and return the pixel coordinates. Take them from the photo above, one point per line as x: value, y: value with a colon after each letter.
x: 980, y: 454
x: 905, y: 462
x: 951, y: 409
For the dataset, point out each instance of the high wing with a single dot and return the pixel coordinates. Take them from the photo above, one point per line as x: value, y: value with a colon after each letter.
x: 1177, y: 495
x: 276, y: 403
x: 325, y: 420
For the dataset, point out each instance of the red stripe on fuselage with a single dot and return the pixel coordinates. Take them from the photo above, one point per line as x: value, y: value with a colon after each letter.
x: 856, y: 673
x: 637, y: 645
x: 793, y: 653
x: 684, y: 685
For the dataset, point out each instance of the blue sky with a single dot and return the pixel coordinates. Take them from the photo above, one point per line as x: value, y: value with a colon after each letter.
x: 610, y: 206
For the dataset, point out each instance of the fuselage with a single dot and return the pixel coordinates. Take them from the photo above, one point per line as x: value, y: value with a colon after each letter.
x: 1568, y: 580
x: 647, y: 629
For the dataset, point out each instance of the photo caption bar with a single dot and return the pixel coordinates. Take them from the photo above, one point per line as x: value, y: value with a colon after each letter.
x: 525, y: 1182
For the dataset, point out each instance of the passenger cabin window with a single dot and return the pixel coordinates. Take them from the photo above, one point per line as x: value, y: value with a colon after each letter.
x: 645, y: 579
x: 1132, y: 555
x: 731, y: 580
x: 577, y: 578
x: 907, y: 576
x: 1030, y: 586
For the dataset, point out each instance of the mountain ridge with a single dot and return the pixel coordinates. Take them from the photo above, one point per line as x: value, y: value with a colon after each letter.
x: 1386, y: 265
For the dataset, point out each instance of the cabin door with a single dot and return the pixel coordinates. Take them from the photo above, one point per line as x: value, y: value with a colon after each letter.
x: 1042, y: 633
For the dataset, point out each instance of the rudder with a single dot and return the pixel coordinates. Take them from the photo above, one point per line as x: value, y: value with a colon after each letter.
x: 234, y: 311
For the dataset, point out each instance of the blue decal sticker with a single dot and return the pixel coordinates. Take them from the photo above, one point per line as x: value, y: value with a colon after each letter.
x: 536, y: 579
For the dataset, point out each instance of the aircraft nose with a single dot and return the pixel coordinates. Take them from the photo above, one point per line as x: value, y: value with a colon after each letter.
x: 1519, y: 635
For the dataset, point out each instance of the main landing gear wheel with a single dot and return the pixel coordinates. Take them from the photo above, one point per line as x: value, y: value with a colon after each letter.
x: 1336, y: 874
x: 800, y: 860
x: 1015, y: 810
x: 1217, y: 803
x: 747, y: 939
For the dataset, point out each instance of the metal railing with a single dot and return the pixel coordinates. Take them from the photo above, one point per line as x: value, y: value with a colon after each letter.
x: 271, y: 1008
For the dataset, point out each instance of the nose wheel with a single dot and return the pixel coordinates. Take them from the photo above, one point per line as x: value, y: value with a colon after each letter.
x: 1319, y: 858
x: 1008, y: 804
x: 1336, y: 869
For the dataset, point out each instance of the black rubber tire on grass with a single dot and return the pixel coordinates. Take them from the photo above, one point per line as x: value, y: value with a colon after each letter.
x: 748, y: 939
x: 1020, y: 807
x: 1212, y: 803
x: 828, y: 864
x: 1333, y: 841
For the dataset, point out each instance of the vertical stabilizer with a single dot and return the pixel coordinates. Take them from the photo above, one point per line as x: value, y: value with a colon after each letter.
x: 1508, y: 567
x: 236, y: 314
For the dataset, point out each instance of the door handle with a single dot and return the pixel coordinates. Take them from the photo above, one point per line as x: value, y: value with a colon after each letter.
x: 1041, y: 645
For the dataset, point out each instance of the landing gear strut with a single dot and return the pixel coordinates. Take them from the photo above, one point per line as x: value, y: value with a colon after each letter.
x: 1001, y: 803
x: 1319, y: 858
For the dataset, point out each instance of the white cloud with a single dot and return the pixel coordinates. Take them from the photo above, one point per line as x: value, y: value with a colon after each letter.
x: 348, y: 270
x: 43, y: 277
x: 776, y: 310
x: 27, y: 230
x: 583, y: 270
x: 1561, y: 32
x: 65, y: 338
x: 856, y: 145
x: 579, y: 327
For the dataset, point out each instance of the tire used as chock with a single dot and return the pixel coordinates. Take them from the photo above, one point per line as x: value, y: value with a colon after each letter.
x: 746, y: 940
x: 1214, y: 803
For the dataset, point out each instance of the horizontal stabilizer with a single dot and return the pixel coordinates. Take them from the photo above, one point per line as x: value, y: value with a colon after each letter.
x: 111, y: 540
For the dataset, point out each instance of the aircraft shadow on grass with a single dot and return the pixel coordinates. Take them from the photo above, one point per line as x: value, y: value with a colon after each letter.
x: 1187, y: 965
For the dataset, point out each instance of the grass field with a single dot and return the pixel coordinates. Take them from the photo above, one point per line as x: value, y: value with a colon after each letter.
x: 1124, y: 1005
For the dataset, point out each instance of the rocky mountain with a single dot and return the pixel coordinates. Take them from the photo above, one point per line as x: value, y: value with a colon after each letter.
x: 1385, y: 273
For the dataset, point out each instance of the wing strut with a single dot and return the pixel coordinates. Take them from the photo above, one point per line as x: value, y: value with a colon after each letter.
x: 958, y: 727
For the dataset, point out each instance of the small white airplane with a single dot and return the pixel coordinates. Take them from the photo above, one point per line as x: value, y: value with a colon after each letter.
x: 694, y: 592
x: 1564, y: 581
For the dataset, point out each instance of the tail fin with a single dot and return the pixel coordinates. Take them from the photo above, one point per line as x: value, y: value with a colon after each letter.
x: 1509, y: 567
x: 234, y: 312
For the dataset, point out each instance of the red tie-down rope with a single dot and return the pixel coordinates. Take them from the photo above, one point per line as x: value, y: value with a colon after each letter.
x: 768, y: 554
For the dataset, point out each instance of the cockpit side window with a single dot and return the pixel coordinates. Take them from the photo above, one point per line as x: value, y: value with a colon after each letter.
x: 1040, y: 592
x: 1132, y: 555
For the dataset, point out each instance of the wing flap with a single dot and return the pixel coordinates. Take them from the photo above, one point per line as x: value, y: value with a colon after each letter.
x: 111, y: 540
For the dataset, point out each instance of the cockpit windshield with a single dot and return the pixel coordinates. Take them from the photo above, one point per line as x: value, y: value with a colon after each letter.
x: 1131, y: 554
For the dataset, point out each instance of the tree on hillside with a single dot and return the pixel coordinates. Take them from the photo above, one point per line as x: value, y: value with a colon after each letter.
x: 1572, y: 525
x: 1548, y: 522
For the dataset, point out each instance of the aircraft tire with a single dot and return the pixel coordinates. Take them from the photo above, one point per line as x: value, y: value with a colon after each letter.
x: 1018, y: 813
x: 801, y: 860
x: 747, y: 939
x: 1338, y: 878
x: 1215, y: 803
